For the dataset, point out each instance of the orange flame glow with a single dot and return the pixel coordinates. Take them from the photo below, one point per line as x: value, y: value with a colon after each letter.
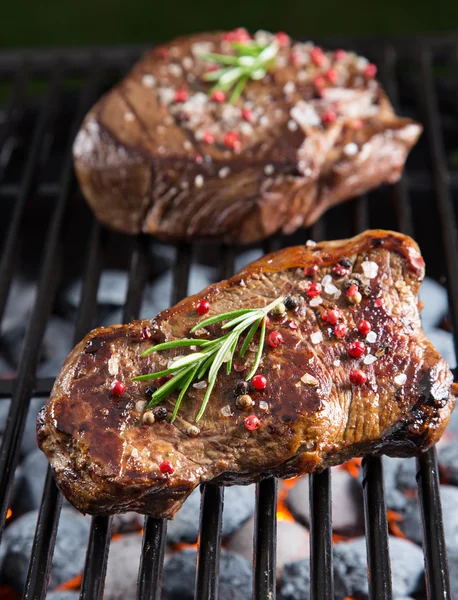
x: 353, y: 466
x: 71, y: 584
x: 393, y: 519
x: 283, y: 512
x: 9, y: 514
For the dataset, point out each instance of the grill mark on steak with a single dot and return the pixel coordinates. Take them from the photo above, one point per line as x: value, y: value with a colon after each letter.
x: 312, y: 167
x: 106, y: 460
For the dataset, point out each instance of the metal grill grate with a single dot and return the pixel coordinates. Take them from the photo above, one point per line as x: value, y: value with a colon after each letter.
x: 46, y: 91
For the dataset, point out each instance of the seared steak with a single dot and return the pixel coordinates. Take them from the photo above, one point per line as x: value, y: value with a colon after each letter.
x: 354, y: 375
x: 159, y: 154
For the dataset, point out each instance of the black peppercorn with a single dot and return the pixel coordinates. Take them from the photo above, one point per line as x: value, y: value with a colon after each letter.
x: 241, y: 387
x: 290, y: 302
x: 160, y: 413
x: 346, y: 262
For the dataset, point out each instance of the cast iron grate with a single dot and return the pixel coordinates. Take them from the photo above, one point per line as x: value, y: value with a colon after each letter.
x: 44, y: 96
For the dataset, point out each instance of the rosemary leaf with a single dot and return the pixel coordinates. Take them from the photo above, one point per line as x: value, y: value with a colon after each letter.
x: 250, y: 335
x: 204, y: 367
x: 162, y: 392
x: 222, y: 317
x: 188, y: 359
x: 222, y: 59
x: 183, y: 391
x: 231, y: 356
x: 215, y: 75
x: 211, y: 384
x: 221, y: 355
x: 257, y: 359
x: 239, y: 88
x: 175, y: 344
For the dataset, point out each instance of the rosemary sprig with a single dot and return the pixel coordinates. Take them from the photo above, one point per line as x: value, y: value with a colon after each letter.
x: 210, y: 357
x: 250, y: 60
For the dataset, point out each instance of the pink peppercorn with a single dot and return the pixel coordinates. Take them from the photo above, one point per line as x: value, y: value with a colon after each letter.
x: 356, y: 349
x: 314, y: 289
x: 311, y: 271
x: 275, y: 339
x: 364, y: 327
x: 118, y: 388
x: 317, y: 56
x: 218, y: 96
x: 166, y: 467
x: 332, y: 315
x: 357, y: 377
x: 252, y: 422
x: 282, y: 38
x: 370, y: 71
x: 259, y: 382
x: 202, y: 307
x: 340, y: 331
x: 329, y: 116
x: 181, y: 95
x: 208, y: 137
x: 331, y: 75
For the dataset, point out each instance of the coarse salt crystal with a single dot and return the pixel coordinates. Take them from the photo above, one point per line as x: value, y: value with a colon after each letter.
x: 187, y: 145
x: 371, y: 337
x: 370, y: 269
x: 269, y: 169
x: 173, y: 360
x: 305, y: 115
x: 187, y: 62
x: 350, y: 149
x: 316, y: 337
x: 200, y: 385
x: 302, y: 76
x: 309, y: 379
x: 113, y: 365
x: 246, y: 129
x: 134, y: 452
x: 400, y: 379
x: 264, y: 121
x: 129, y: 117
x: 226, y: 411
x: 361, y: 63
x: 369, y: 359
x: 224, y: 172
x: 166, y: 95
x: 199, y: 181
x: 336, y: 363
x: 292, y: 125
x: 310, y: 243
x: 140, y: 405
x: 199, y: 48
x: 289, y: 88
x: 326, y: 279
x: 148, y: 81
x: 330, y: 289
x: 316, y: 301
x: 175, y: 70
x: 263, y: 405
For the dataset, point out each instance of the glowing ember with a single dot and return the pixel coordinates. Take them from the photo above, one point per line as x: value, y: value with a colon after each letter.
x: 393, y: 519
x: 9, y: 514
x: 71, y: 584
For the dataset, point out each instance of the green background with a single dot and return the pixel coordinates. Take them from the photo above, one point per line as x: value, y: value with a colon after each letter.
x: 93, y: 22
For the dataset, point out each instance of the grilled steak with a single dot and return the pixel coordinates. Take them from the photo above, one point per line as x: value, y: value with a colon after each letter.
x: 158, y: 154
x: 354, y: 375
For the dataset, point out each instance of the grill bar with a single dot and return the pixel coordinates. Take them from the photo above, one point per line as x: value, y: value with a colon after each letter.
x: 321, y: 573
x: 378, y: 556
x: 151, y: 563
x: 208, y: 554
x: 28, y: 179
x: 265, y: 540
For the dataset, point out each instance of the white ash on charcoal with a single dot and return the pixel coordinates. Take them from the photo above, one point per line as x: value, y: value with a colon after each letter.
x: 63, y: 595
x: 350, y: 568
x: 347, y: 508
x: 399, y: 481
x: 295, y: 584
x: 158, y: 295
x: 246, y: 257
x: 435, y: 303
x: 238, y: 508
x: 112, y: 289
x: 56, y: 345
x: 20, y: 302
x: 448, y: 463
x: 411, y: 524
x: 350, y: 571
x: 122, y: 567
x: 235, y: 577
x: 69, y: 552
x: 293, y: 543
x: 452, y: 556
x: 443, y: 342
x: 29, y: 441
x: 29, y: 487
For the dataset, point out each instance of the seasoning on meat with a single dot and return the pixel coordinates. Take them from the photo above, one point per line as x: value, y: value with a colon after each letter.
x: 310, y: 405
